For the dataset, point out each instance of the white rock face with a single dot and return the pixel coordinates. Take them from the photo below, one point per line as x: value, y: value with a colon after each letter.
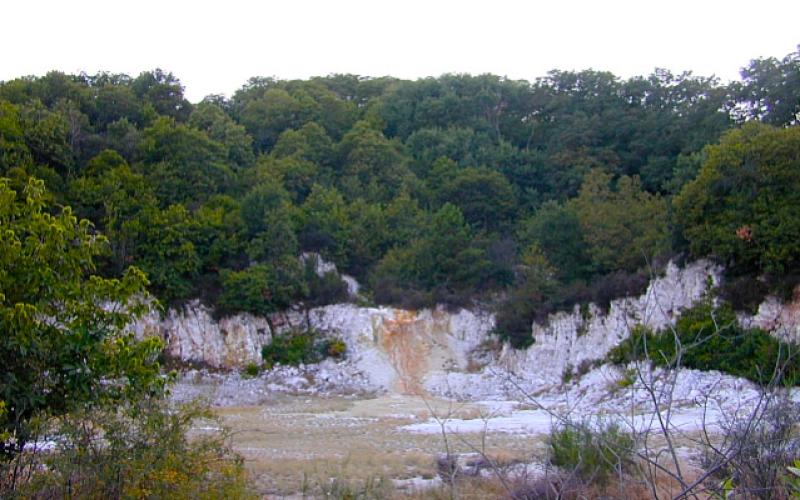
x: 567, y: 340
x: 399, y: 350
x: 192, y: 335
x: 445, y: 353
x: 396, y: 350
x: 323, y: 267
x: 782, y: 319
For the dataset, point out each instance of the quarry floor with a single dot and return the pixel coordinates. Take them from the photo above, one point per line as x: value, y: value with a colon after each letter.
x: 299, y: 444
x: 296, y: 443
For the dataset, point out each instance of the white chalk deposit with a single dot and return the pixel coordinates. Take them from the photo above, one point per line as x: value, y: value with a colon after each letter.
x: 443, y: 353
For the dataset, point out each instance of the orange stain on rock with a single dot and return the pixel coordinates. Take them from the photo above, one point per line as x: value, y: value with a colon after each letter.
x: 407, y: 343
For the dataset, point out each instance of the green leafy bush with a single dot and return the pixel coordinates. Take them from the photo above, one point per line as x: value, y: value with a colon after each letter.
x: 147, y: 452
x: 299, y: 346
x: 592, y: 451
x: 710, y: 338
x: 261, y: 289
x: 251, y: 370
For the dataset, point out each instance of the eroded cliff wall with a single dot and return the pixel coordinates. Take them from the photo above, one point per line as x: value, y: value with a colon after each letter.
x: 435, y: 351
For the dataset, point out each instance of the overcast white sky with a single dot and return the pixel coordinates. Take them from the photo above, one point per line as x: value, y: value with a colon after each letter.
x: 214, y: 47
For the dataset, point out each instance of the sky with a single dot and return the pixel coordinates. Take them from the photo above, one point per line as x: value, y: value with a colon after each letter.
x: 214, y: 47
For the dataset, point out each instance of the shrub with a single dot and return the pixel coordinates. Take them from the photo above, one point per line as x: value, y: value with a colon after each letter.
x: 251, y: 370
x: 742, y: 206
x: 261, y: 289
x: 145, y: 453
x: 593, y: 452
x: 299, y: 346
x: 711, y: 339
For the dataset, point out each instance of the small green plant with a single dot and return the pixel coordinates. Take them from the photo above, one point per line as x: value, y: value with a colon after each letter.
x: 567, y: 374
x: 302, y: 346
x: 336, y: 348
x: 251, y: 370
x: 593, y: 452
x: 146, y: 453
x: 628, y: 379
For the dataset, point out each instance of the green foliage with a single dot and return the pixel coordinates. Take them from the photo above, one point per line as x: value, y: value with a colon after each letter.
x: 741, y: 207
x: 709, y: 338
x: 13, y: 150
x: 323, y: 223
x: 161, y: 243
x: 261, y: 289
x: 535, y: 286
x: 440, y: 266
x: 368, y: 171
x: 146, y: 453
x: 557, y: 231
x: 298, y: 346
x: 484, y: 196
x: 793, y: 477
x: 270, y: 114
x: 771, y: 89
x: 62, y: 347
x: 594, y: 452
x: 322, y: 290
x: 373, y: 167
x: 163, y: 92
x: 251, y: 370
x: 182, y: 163
x: 221, y: 128
x: 260, y: 202
x: 623, y: 229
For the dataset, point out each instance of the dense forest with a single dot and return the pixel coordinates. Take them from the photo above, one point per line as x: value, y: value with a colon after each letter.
x: 524, y: 196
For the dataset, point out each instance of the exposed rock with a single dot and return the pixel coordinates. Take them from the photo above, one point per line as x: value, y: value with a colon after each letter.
x: 323, y: 267
x: 449, y: 354
x: 400, y: 349
x: 782, y: 319
x: 568, y: 340
x: 233, y: 389
x: 192, y: 335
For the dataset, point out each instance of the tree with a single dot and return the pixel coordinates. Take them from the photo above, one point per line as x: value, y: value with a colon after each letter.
x: 265, y: 117
x: 161, y: 242
x: 534, y: 286
x: 484, y: 197
x: 310, y: 142
x: 219, y: 127
x: 622, y: 228
x: 556, y: 231
x: 164, y: 92
x: 262, y: 289
x: 771, y: 89
x: 63, y: 344
x: 182, y: 163
x: 742, y: 207
x: 13, y: 150
x: 372, y: 166
x: 323, y: 224
x: 441, y: 266
x: 264, y: 199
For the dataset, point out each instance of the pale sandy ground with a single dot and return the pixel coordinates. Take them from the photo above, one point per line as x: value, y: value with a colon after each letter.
x: 296, y: 443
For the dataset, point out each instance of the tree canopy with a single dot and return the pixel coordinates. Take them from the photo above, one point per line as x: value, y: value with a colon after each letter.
x: 442, y: 189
